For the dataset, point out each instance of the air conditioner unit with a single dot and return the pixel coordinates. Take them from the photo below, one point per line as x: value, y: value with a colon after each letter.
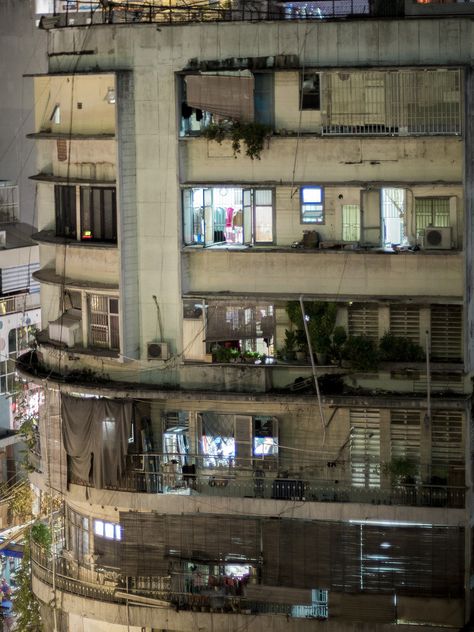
x: 437, y: 238
x: 158, y: 351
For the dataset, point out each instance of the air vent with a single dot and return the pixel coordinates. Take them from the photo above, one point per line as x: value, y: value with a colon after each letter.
x: 158, y: 351
x: 438, y: 238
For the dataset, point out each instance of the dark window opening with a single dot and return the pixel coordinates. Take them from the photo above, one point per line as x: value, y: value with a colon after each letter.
x: 310, y: 97
x: 98, y: 214
x: 65, y: 202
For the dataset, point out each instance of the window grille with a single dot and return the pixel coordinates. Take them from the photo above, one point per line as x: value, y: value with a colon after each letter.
x: 405, y: 321
x: 351, y: 222
x: 364, y: 320
x: 65, y: 203
x: 393, y: 102
x: 446, y: 332
x: 365, y: 447
x: 239, y: 322
x: 431, y: 212
x: 405, y: 435
x: 104, y: 321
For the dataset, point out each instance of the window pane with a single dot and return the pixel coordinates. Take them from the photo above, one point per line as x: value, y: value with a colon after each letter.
x: 263, y: 224
x: 109, y: 530
x: 65, y: 202
x: 86, y: 219
x: 99, y: 527
x: 310, y: 91
x: 312, y: 194
x: 263, y: 197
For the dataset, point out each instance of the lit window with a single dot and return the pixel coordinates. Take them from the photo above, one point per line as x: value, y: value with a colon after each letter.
x: 99, y: 527
x: 310, y: 91
x: 312, y: 207
x: 109, y: 530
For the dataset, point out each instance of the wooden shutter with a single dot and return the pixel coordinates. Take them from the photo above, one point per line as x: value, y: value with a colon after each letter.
x: 405, y: 321
x: 446, y: 332
x: 405, y: 435
x: 365, y: 447
x: 364, y: 320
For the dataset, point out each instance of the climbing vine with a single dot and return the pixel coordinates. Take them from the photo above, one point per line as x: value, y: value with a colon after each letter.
x: 253, y: 135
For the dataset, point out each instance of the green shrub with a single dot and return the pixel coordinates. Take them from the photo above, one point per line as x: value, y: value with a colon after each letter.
x: 399, y: 349
x: 361, y: 353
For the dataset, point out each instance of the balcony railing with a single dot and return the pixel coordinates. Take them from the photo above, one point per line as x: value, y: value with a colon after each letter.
x: 218, y: 476
x: 18, y: 303
x: 64, y: 574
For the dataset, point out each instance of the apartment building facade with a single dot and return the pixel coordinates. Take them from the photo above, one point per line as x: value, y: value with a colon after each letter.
x: 213, y: 477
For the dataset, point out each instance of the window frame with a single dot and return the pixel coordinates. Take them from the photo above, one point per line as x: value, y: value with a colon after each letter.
x: 107, y: 327
x: 319, y: 187
x: 97, y: 217
x: 306, y: 98
x: 189, y: 223
x: 70, y: 203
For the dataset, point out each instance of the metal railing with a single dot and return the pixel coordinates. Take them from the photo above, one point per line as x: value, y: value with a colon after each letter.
x: 132, y: 12
x: 241, y: 478
x: 185, y: 595
x: 18, y: 303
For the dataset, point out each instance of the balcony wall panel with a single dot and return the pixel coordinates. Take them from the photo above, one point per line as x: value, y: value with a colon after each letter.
x: 344, y: 160
x: 324, y: 273
x: 88, y: 263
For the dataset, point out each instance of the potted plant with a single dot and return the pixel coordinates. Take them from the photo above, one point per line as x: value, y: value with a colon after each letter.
x: 400, y: 349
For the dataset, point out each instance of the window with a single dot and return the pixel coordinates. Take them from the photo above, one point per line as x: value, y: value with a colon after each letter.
x: 351, y: 222
x: 363, y: 320
x: 312, y: 207
x: 227, y: 216
x: 98, y: 214
x: 446, y: 332
x: 77, y: 533
x: 217, y: 442
x: 108, y: 530
x: 104, y: 321
x: 265, y: 436
x: 65, y: 202
x: 431, y: 212
x: 310, y: 98
x: 365, y: 447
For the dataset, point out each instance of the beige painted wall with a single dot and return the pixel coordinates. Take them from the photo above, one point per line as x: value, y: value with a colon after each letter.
x: 88, y: 263
x: 95, y: 116
x: 324, y: 272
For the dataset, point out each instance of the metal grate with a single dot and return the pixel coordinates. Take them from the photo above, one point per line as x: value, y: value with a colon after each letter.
x: 393, y: 102
x: 351, y: 222
x: 446, y: 332
x: 431, y: 212
x: 104, y: 321
x: 365, y: 447
x: 239, y: 322
x: 364, y: 320
x: 405, y: 321
x: 405, y: 435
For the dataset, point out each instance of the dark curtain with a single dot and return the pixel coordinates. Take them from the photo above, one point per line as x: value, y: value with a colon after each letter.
x: 95, y: 436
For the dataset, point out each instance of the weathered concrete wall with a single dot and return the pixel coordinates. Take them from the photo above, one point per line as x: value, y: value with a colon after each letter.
x: 324, y: 273
x: 22, y: 50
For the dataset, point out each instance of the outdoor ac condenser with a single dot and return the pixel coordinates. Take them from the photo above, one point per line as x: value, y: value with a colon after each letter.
x: 437, y: 238
x: 158, y: 351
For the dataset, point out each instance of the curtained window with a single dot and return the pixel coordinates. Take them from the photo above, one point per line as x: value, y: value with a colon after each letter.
x: 95, y: 436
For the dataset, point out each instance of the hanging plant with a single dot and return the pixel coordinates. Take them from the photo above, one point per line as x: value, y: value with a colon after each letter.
x: 253, y: 135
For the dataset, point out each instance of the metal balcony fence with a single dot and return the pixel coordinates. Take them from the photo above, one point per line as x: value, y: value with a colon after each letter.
x: 259, y: 478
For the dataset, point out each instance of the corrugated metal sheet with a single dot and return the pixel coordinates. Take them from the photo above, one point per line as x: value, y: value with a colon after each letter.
x: 19, y: 278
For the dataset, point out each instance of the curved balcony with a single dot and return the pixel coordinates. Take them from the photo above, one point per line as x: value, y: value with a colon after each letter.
x: 235, y: 478
x: 178, y: 589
